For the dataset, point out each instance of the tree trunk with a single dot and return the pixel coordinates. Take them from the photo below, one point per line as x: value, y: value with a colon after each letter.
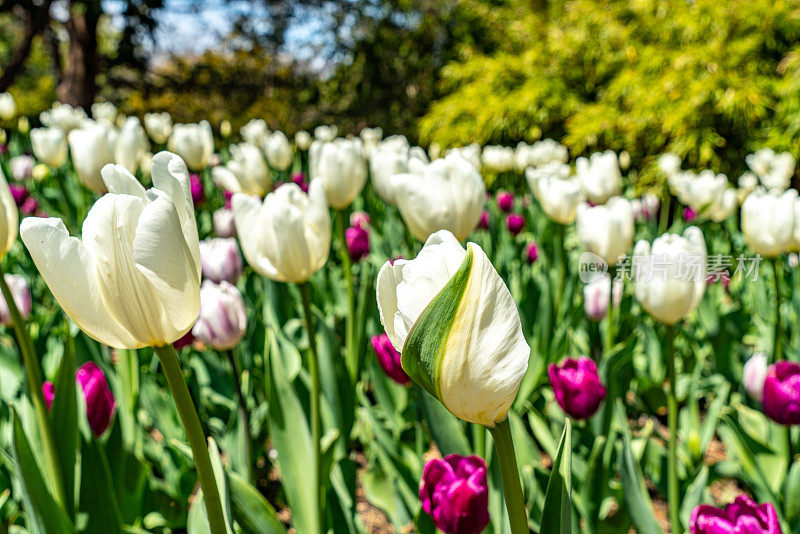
x: 78, y: 86
x: 35, y: 21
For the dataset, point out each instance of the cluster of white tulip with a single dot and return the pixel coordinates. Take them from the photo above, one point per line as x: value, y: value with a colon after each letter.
x: 707, y: 193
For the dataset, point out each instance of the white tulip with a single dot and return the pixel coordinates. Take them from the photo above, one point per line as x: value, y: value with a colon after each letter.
x: 21, y: 167
x: 194, y: 143
x: 448, y: 195
x: 599, y: 176
x: 597, y: 297
x: 158, y: 126
x: 8, y: 108
x: 498, y: 158
x: 246, y: 172
x: 724, y: 207
x: 392, y: 157
x: 104, y: 111
x: 92, y: 147
x: 457, y: 327
x: 341, y: 167
x: 371, y: 137
x: 706, y: 193
x: 278, y: 151
x: 224, y: 224
x: 49, y: 146
x: 754, y: 374
x: 669, y: 278
x: 325, y: 134
x: 133, y: 280
x: 286, y: 237
x: 768, y: 221
x: 606, y: 229
x: 748, y: 182
x: 303, y: 140
x: 223, y: 320
x: 774, y: 170
x: 9, y: 218
x: 63, y: 117
x: 541, y: 153
x: 471, y: 153
x: 558, y: 194
x: 254, y: 132
x: 132, y: 144
x: 669, y: 164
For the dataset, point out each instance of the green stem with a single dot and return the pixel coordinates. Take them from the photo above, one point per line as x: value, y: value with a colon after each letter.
x: 664, y: 220
x: 244, y: 415
x: 351, y: 358
x: 194, y: 433
x: 512, y: 489
x: 480, y: 440
x: 316, y: 424
x: 34, y: 379
x: 672, y: 423
x: 776, y: 345
x: 789, y: 445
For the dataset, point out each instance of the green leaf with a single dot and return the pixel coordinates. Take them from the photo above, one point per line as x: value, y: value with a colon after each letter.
x: 98, y: 495
x: 43, y: 516
x: 557, y: 510
x: 445, y: 427
x: 422, y: 354
x: 64, y: 421
x: 694, y: 495
x: 793, y: 494
x: 197, y: 522
x: 638, y: 500
x: 250, y: 509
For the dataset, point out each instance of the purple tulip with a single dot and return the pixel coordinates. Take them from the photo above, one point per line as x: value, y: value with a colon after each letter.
x: 196, y: 187
x: 300, y: 179
x: 484, y: 222
x: 223, y: 321
x: 357, y: 238
x: 29, y: 206
x: 184, y: 341
x: 689, y: 215
x: 389, y: 359
x: 99, y: 399
x: 21, y: 292
x: 220, y: 259
x: 532, y: 252
x: 454, y: 492
x: 19, y: 193
x: 742, y: 516
x: 781, y: 393
x: 49, y: 392
x: 228, y: 196
x: 577, y: 386
x: 360, y: 218
x: 505, y: 201
x: 515, y: 222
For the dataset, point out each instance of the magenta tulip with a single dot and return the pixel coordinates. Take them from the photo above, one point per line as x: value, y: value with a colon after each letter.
x: 689, y: 214
x: 49, y: 392
x: 99, y: 399
x: 360, y: 218
x: 532, y: 252
x: 389, y: 359
x: 454, y: 492
x: 505, y: 201
x: 742, y: 516
x: 357, y: 238
x: 196, y: 187
x: 577, y: 386
x: 780, y: 397
x: 515, y: 222
x: 484, y: 221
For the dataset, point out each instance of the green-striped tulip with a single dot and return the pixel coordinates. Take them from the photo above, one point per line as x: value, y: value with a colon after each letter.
x: 457, y: 327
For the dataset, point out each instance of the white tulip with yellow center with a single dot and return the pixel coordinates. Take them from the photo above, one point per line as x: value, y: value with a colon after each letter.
x: 768, y: 221
x: 9, y: 219
x: 606, y: 229
x: 246, y: 172
x: 133, y: 279
x: 49, y: 146
x: 457, y: 327
x: 341, y: 166
x: 669, y: 277
x: 92, y: 147
x: 447, y: 195
x: 194, y: 143
x: 286, y: 237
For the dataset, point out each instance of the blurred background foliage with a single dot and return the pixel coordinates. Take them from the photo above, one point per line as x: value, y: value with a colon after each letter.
x: 708, y: 80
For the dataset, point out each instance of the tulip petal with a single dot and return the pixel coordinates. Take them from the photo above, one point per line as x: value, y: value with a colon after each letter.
x: 120, y: 181
x: 389, y: 277
x: 158, y: 246
x: 8, y: 228
x: 69, y: 270
x: 247, y: 213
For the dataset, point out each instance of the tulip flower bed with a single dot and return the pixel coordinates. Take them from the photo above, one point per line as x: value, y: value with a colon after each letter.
x: 260, y: 335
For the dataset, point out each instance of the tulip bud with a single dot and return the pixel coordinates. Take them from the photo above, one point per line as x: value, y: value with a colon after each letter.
x: 624, y: 160
x: 484, y: 221
x: 689, y: 215
x: 743, y: 515
x: 105, y: 111
x: 224, y: 224
x: 21, y: 167
x: 40, y: 172
x: 357, y: 238
x: 558, y: 195
x: 49, y: 392
x: 754, y: 374
x: 303, y: 140
x: 23, y: 126
x: 194, y: 143
x: 278, y: 151
x: 19, y: 193
x: 246, y: 171
x: 596, y: 297
x: 606, y: 230
x: 599, y: 176
x: 8, y: 108
x: 670, y: 277
x: 577, y: 386
x: 99, y: 399
x: 515, y: 223
x: 389, y: 359
x: 768, y: 221
x: 341, y: 167
x: 781, y: 393
x: 456, y: 325
x: 49, y: 146
x: 92, y: 146
x: 223, y: 320
x: 196, y: 188
x: 220, y: 260
x: 158, y: 126
x: 505, y: 201
x: 532, y: 252
x: 794, y: 260
x: 455, y: 493
x: 225, y: 129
